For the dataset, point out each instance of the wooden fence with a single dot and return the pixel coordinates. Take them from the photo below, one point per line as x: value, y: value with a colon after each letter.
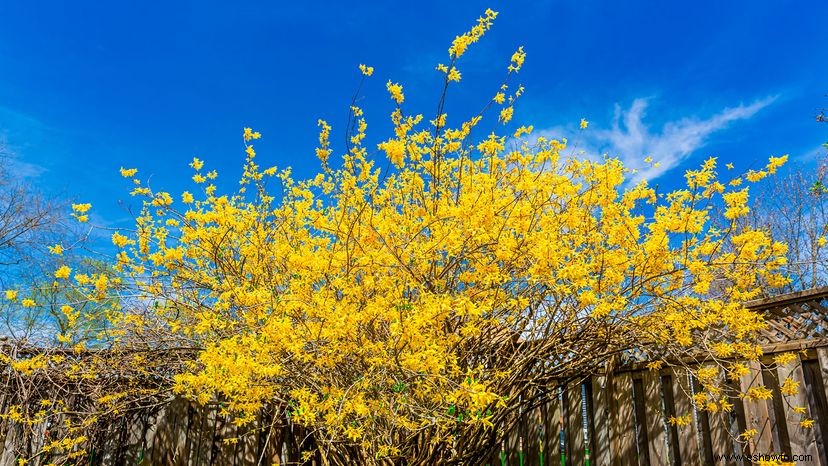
x: 622, y: 419
x: 618, y: 418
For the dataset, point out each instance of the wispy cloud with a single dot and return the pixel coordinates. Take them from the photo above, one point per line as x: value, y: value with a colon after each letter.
x: 631, y: 138
x: 24, y: 170
x: 17, y: 132
x: 811, y: 155
x: 17, y: 169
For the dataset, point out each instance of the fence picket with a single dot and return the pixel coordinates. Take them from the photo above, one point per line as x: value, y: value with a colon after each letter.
x: 574, y: 424
x: 621, y: 420
x: 533, y: 442
x: 689, y: 451
x: 600, y: 453
x: 756, y: 412
x: 718, y: 428
x: 659, y: 454
x: 552, y: 429
x: 802, y: 440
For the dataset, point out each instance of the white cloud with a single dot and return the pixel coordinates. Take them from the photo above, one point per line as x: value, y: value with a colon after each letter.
x: 811, y: 155
x: 17, y: 169
x: 21, y: 171
x: 632, y: 139
x: 19, y: 128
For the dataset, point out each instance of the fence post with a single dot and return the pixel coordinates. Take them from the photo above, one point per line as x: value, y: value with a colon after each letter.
x: 621, y: 419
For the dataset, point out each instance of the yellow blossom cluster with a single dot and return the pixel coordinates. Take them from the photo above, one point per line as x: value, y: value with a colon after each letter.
x: 462, y: 42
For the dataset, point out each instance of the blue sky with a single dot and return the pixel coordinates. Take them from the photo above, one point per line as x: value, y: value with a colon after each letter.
x: 87, y: 87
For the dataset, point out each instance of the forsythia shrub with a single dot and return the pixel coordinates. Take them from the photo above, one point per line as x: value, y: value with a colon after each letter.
x: 402, y: 304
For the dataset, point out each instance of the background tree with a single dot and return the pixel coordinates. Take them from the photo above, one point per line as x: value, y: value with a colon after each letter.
x: 793, y: 207
x: 36, y: 237
x: 27, y: 218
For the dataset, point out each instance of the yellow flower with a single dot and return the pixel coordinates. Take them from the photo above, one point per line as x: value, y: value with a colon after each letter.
x: 119, y: 240
x: 790, y: 387
x: 707, y: 373
x: 506, y: 114
x: 737, y: 371
x: 784, y: 358
x: 722, y: 349
x: 396, y: 92
x: 366, y: 70
x: 453, y: 75
x: 461, y: 43
x: 71, y: 315
x: 186, y: 197
x: 11, y: 295
x: 725, y: 405
x: 807, y: 423
x: 776, y: 162
x: 128, y: 172
x: 440, y: 121
x: 584, y: 124
x: 162, y: 199
x: 655, y: 365
x: 324, y: 150
x: 729, y: 166
x: 81, y: 208
x: 249, y: 135
x: 492, y: 146
x: 63, y: 272
x: 736, y: 202
x: 758, y: 393
x: 517, y: 60
x: 754, y: 176
x: 681, y: 420
x: 523, y: 130
x: 80, y: 212
x: 197, y: 163
x: 56, y: 250
x: 821, y: 241
x: 28, y: 302
x: 395, y: 150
